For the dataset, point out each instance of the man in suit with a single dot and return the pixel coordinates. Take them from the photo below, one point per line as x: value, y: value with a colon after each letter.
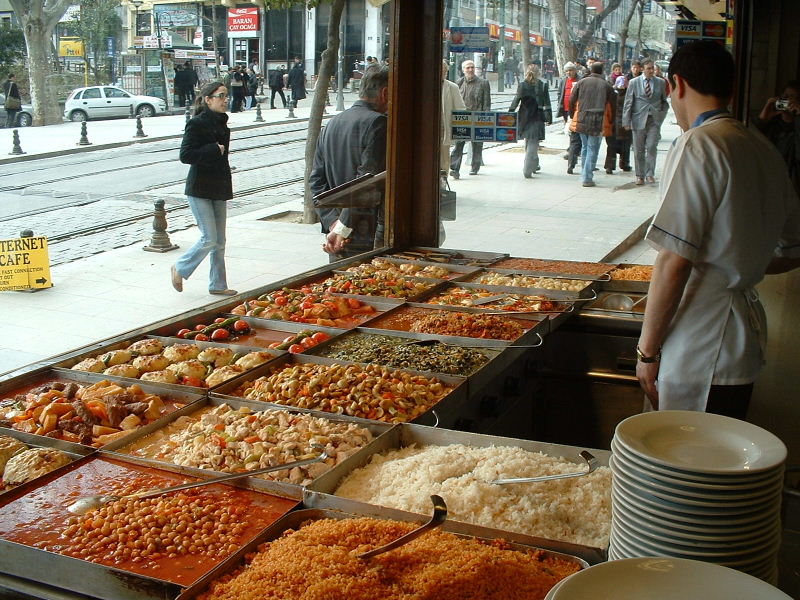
x: 644, y: 111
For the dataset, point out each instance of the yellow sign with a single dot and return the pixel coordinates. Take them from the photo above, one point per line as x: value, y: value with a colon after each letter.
x: 24, y: 264
x: 70, y: 47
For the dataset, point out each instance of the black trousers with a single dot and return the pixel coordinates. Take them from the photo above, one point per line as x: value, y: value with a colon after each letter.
x: 278, y: 91
x: 238, y: 98
x: 458, y: 154
x: 575, y: 147
x: 730, y: 400
x: 617, y: 147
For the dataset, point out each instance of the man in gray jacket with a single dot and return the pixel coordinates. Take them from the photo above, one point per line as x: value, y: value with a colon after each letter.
x: 352, y: 144
x: 477, y: 97
x: 644, y: 111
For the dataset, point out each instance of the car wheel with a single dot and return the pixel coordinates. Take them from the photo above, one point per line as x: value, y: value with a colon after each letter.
x: 78, y: 116
x: 24, y: 120
x: 145, y: 110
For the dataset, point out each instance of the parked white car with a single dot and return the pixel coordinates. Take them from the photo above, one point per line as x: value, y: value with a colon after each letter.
x: 24, y: 116
x: 105, y: 101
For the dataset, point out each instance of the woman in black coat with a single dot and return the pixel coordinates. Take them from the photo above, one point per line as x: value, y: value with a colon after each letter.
x: 297, y: 82
x: 533, y: 99
x: 208, y: 187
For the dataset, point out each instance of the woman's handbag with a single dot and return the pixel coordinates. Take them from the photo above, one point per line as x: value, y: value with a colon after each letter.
x: 13, y: 103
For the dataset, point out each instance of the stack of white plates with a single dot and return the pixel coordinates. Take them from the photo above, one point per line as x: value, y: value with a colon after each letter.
x: 699, y: 486
x: 662, y: 579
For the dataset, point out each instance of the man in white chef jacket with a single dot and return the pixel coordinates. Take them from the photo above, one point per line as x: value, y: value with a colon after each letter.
x: 729, y: 214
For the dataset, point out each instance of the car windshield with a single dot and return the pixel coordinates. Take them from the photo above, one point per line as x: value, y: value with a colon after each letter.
x: 91, y: 93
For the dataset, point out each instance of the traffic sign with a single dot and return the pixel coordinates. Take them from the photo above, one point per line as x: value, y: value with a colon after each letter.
x: 24, y: 264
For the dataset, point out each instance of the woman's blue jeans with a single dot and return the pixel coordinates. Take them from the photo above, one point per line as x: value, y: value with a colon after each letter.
x: 210, y: 216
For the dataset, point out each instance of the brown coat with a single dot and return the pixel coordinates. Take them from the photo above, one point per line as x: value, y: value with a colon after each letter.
x: 593, y: 104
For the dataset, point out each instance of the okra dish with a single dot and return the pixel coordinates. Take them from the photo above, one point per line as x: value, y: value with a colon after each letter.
x: 369, y: 392
x: 388, y: 286
x: 185, y: 364
x: 402, y: 353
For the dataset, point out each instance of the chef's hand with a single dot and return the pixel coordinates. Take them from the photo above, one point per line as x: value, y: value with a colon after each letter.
x: 334, y: 243
x: 647, y: 373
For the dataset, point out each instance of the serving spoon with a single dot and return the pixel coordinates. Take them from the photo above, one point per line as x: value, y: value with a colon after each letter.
x: 590, y: 459
x: 88, y: 503
x: 433, y: 342
x: 437, y: 519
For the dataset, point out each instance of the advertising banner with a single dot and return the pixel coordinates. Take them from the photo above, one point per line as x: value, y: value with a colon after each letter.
x: 469, y: 39
x: 243, y: 19
x: 488, y: 126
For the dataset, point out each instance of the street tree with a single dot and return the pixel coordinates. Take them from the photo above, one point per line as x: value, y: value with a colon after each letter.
x: 564, y: 48
x: 596, y: 22
x: 38, y: 19
x: 97, y: 20
x: 525, y: 27
x: 623, y: 34
x: 12, y: 46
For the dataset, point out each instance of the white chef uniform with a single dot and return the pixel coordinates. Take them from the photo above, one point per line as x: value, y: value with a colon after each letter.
x: 729, y: 207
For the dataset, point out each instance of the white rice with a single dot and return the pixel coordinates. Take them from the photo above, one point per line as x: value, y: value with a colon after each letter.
x: 573, y: 510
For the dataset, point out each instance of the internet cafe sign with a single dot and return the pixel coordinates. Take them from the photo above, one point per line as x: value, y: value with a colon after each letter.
x: 243, y: 19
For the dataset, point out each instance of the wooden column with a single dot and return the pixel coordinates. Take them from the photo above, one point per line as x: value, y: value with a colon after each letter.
x: 414, y: 120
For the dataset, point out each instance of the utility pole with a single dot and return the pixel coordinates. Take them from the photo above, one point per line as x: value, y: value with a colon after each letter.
x: 501, y: 53
x: 340, y: 75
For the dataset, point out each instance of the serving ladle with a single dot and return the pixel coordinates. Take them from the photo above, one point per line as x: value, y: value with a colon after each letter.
x: 437, y: 519
x: 89, y: 503
x: 590, y: 459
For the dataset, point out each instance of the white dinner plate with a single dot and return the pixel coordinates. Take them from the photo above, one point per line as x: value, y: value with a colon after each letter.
x: 658, y: 527
x: 677, y: 544
x: 733, y: 492
x: 692, y: 507
x: 701, y: 442
x: 702, y: 522
x: 691, y: 477
x: 682, y: 495
x: 663, y: 579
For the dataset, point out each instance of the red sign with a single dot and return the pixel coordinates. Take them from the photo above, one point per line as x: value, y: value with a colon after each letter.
x: 243, y: 19
x: 513, y: 34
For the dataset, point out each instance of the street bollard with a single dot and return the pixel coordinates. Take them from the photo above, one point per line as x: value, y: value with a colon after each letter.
x: 259, y: 116
x: 188, y: 116
x: 84, y: 141
x: 290, y: 104
x: 139, y: 131
x: 17, y: 149
x: 159, y: 242
x: 132, y: 115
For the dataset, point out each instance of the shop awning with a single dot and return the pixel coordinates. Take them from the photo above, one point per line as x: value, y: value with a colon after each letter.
x: 181, y: 43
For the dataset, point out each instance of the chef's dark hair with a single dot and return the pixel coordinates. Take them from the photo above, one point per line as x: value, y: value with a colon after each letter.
x: 706, y: 66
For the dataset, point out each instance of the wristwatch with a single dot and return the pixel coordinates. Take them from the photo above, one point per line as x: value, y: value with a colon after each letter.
x: 648, y: 359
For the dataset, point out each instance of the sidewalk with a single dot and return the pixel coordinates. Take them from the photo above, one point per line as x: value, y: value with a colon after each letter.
x: 548, y: 216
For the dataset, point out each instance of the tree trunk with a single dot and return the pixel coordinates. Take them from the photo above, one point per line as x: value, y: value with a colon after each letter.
x: 597, y: 20
x: 38, y: 19
x: 564, y: 48
x: 639, y: 32
x: 525, y: 27
x: 623, y: 34
x: 326, y: 69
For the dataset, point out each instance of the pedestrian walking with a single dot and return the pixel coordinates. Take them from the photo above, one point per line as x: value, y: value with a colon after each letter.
x: 238, y: 80
x: 13, y: 101
x: 549, y: 71
x: 451, y: 100
x: 252, y: 88
x: 276, y: 85
x: 477, y: 97
x: 352, y: 144
x: 619, y: 143
x: 533, y: 99
x: 181, y: 82
x: 297, y: 82
x: 593, y: 104
x: 193, y: 80
x: 564, y: 92
x: 728, y: 215
x: 644, y: 110
x: 510, y: 65
x: 616, y: 73
x: 205, y: 146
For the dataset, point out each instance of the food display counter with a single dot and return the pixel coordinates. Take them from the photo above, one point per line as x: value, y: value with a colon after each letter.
x: 418, y: 338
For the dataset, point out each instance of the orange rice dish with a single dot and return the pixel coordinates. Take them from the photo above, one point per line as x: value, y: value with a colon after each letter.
x: 319, y: 562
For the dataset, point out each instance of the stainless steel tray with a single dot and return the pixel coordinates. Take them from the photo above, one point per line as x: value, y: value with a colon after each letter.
x: 494, y: 349
x: 277, y: 488
x: 561, y: 273
x: 381, y: 305
x: 180, y: 393
x: 456, y: 270
x: 294, y: 520
x: 585, y: 292
x: 484, y: 258
x: 446, y: 409
x: 320, y: 493
x: 627, y: 285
